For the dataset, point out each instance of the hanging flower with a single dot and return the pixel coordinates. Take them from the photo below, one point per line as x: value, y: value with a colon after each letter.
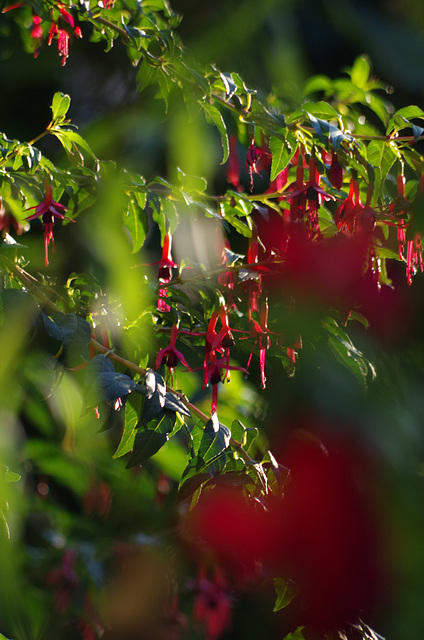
x: 170, y: 356
x: 307, y: 197
x: 48, y: 210
x: 336, y: 172
x: 260, y: 333
x: 64, y: 580
x: 59, y: 29
x: 233, y: 164
x: 36, y: 34
x: 212, y: 604
x: 257, y: 159
x: 351, y: 215
x: 166, y: 264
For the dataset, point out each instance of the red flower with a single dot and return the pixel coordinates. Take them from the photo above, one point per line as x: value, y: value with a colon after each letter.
x: 48, y: 209
x: 170, y: 355
x: 256, y: 160
x: 212, y: 604
x: 64, y: 580
x: 216, y: 345
x: 166, y: 264
x: 233, y: 168
x: 260, y: 333
x: 307, y: 197
x: 36, y: 34
x: 62, y: 33
x: 351, y: 215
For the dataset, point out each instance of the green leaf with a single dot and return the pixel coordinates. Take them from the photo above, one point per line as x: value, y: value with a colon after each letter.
x: 214, y: 115
x: 397, y: 121
x: 127, y: 439
x: 346, y: 353
x: 321, y: 110
x: 76, y: 337
x: 155, y: 397
x: 239, y: 432
x: 296, y: 635
x: 148, y: 441
x: 285, y: 593
x: 135, y: 227
x: 360, y: 72
x: 170, y: 212
x: 60, y: 105
x: 173, y: 403
x: 216, y: 438
x: 381, y: 155
x: 282, y: 152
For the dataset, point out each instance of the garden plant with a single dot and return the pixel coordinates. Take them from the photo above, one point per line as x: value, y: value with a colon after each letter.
x: 211, y: 378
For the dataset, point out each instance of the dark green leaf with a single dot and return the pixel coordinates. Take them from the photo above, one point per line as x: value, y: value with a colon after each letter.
x: 216, y: 438
x: 173, y: 403
x: 154, y: 401
x: 148, y: 441
x: 76, y: 337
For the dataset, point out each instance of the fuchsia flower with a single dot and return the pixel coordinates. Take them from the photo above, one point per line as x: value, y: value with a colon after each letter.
x: 217, y: 354
x: 166, y: 264
x: 58, y: 28
x: 233, y: 165
x: 306, y: 197
x: 257, y: 159
x: 351, y: 215
x: 260, y: 333
x: 170, y: 355
x: 212, y: 604
x: 336, y: 172
x: 64, y: 580
x: 48, y: 209
x: 36, y: 34
x: 252, y: 283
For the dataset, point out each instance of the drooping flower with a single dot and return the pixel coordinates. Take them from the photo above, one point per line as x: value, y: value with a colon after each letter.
x: 257, y: 159
x: 251, y: 278
x: 59, y: 29
x: 351, y: 215
x: 260, y: 333
x: 217, y: 354
x: 170, y: 356
x: 212, y: 604
x: 48, y: 210
x: 166, y: 264
x: 64, y: 580
x: 36, y: 34
x: 8, y: 220
x: 336, y: 172
x: 307, y: 197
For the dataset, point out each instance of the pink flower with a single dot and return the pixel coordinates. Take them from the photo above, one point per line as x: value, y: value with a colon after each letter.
x: 48, y: 209
x: 36, y: 34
